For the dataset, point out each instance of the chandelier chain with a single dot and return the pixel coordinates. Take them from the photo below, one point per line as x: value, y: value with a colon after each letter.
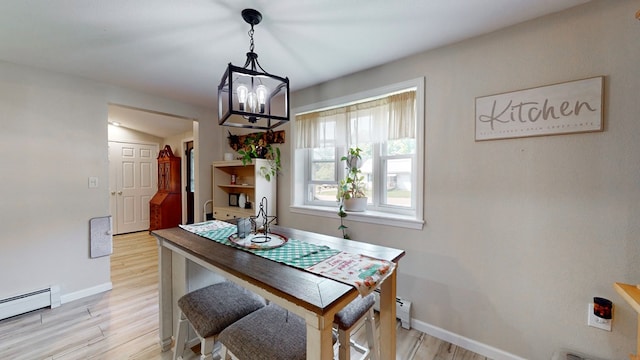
x: 251, y: 45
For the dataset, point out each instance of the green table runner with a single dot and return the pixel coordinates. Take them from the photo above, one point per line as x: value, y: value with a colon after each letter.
x: 294, y: 252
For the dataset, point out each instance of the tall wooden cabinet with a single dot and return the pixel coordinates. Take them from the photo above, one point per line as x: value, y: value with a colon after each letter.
x: 166, y: 204
x: 248, y: 181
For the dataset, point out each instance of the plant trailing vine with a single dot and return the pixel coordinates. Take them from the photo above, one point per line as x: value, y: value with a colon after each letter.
x: 343, y: 214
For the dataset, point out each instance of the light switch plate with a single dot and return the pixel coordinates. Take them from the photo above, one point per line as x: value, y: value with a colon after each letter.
x: 93, y: 182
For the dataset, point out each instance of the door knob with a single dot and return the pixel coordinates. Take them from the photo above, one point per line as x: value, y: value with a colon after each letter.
x: 119, y: 192
x: 113, y: 193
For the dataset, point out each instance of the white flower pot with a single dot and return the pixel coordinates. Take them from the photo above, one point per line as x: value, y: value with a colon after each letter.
x: 355, y: 204
x: 354, y: 162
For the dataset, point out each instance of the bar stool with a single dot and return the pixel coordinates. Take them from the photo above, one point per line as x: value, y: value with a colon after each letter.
x: 209, y: 311
x: 349, y: 319
x: 266, y: 334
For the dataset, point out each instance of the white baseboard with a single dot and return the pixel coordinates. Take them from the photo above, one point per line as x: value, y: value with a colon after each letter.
x: 466, y: 343
x: 85, y: 292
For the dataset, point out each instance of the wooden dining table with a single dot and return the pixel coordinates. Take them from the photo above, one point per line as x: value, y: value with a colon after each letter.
x: 313, y: 297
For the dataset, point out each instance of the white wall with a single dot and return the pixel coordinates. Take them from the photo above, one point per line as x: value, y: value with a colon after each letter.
x: 176, y: 143
x: 520, y: 234
x: 53, y: 136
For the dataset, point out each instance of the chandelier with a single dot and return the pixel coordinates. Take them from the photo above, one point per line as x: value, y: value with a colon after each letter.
x: 250, y: 97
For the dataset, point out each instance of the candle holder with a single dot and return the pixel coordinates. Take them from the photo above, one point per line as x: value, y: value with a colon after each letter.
x: 261, y: 223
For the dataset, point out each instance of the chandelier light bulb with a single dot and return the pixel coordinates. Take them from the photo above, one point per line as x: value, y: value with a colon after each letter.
x: 261, y: 93
x: 252, y: 102
x: 243, y: 93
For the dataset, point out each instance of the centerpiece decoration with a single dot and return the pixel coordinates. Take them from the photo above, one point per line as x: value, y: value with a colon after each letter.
x: 260, y: 236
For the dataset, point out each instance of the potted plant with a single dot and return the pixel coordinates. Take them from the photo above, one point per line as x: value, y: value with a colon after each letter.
x: 261, y: 151
x: 351, y: 190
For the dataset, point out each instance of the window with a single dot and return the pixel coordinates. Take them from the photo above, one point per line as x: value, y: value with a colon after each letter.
x: 384, y: 124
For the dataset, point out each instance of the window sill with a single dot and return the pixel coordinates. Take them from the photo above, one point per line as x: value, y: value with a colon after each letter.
x: 372, y: 217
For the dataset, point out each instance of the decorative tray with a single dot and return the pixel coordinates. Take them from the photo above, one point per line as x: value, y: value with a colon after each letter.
x: 259, y: 240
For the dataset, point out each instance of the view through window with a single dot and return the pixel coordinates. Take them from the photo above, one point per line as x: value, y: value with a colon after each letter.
x: 384, y: 128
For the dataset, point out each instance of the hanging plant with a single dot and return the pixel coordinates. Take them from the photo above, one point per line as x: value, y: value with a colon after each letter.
x: 268, y: 152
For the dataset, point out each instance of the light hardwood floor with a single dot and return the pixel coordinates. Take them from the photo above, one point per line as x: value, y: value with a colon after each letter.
x: 123, y: 323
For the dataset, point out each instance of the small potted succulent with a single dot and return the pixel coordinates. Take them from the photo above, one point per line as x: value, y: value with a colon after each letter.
x: 351, y: 190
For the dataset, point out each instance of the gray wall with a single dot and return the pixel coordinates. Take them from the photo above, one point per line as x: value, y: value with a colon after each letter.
x: 53, y: 136
x: 520, y: 234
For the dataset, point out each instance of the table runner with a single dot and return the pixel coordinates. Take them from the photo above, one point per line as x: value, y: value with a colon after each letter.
x: 363, y: 272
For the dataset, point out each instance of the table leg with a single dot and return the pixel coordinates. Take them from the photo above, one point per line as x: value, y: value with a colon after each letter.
x: 388, y: 317
x: 319, y: 341
x: 165, y: 297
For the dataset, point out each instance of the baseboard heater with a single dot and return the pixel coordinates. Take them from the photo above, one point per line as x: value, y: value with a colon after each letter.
x: 20, y: 304
x: 403, y: 310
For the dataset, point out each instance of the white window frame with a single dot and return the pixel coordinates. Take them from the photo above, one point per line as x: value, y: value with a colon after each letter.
x: 339, y: 173
x: 413, y: 219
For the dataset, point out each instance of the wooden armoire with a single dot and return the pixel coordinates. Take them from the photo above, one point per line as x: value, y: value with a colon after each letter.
x: 166, y: 204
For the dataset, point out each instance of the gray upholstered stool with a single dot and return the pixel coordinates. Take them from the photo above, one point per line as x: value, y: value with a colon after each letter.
x: 266, y: 334
x: 348, y: 319
x: 209, y: 311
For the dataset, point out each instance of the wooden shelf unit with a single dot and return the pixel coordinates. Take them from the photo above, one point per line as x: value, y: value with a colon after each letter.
x: 248, y: 181
x: 631, y: 293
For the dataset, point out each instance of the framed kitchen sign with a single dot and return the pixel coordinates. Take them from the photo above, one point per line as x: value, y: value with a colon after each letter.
x: 570, y: 107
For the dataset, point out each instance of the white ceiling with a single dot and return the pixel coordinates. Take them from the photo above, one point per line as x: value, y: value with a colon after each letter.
x: 179, y: 48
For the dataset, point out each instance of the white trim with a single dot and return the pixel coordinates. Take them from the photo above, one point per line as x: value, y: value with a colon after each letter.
x: 371, y: 217
x: 464, y: 342
x: 85, y: 292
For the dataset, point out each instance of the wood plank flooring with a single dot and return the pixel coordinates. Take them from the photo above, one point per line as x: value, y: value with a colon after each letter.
x: 123, y: 323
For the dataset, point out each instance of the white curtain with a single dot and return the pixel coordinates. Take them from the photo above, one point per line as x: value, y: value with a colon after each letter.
x: 389, y: 118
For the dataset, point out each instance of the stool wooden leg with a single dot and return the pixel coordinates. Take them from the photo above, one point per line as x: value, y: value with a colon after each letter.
x: 206, y: 348
x: 224, y: 353
x: 344, y: 351
x: 372, y: 351
x: 372, y: 342
x: 181, y: 336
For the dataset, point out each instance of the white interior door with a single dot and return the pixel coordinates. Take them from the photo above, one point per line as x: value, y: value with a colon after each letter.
x: 133, y: 181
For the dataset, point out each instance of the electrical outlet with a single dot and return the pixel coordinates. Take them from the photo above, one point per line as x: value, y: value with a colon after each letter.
x: 596, y: 322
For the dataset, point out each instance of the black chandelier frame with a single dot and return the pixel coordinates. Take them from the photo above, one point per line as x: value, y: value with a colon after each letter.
x: 269, y: 116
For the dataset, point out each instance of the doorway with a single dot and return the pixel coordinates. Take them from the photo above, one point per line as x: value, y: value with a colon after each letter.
x: 132, y: 181
x: 190, y: 180
x: 142, y: 126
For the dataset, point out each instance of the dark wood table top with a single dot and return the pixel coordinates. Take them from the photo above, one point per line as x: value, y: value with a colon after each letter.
x: 311, y: 291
